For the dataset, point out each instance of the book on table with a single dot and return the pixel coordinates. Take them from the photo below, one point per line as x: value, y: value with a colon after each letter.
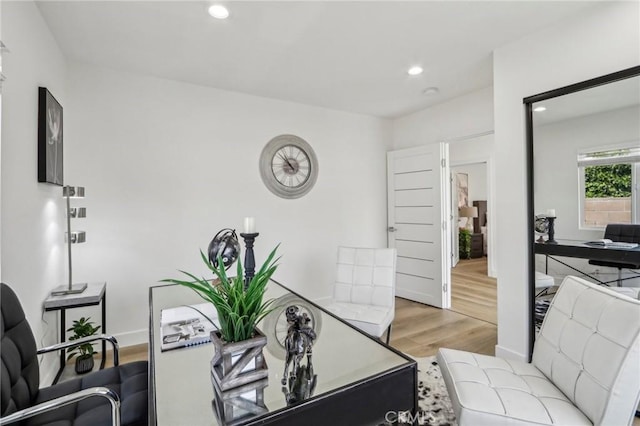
x: 605, y: 242
x: 187, y: 325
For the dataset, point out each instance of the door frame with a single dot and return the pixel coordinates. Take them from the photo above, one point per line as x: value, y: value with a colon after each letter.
x: 490, y: 202
x: 492, y: 269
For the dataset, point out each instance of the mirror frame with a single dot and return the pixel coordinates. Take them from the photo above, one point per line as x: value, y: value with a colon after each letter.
x: 528, y: 104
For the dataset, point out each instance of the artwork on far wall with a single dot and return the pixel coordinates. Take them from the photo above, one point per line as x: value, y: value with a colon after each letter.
x: 462, y: 187
x: 49, y: 138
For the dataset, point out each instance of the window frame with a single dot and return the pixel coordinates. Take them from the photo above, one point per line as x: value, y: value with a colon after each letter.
x: 635, y: 184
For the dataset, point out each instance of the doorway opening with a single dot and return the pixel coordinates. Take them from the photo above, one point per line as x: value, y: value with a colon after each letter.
x: 473, y: 283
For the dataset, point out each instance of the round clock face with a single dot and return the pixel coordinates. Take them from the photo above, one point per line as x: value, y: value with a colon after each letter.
x: 288, y: 166
x: 291, y: 166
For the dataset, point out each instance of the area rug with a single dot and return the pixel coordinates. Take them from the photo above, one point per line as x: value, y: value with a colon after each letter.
x: 433, y: 400
x: 434, y: 405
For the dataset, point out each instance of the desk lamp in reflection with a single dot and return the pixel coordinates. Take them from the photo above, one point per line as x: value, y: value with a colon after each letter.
x: 72, y: 237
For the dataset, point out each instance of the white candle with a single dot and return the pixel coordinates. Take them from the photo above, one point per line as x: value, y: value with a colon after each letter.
x: 551, y: 213
x: 249, y: 225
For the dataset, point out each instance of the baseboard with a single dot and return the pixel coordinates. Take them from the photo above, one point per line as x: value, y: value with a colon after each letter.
x: 131, y: 338
x: 503, y: 352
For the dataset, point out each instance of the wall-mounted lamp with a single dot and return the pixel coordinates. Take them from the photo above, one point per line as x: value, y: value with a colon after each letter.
x: 72, y: 237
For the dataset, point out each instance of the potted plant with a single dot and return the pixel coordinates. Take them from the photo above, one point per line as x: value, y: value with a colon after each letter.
x: 239, y: 307
x: 464, y: 243
x: 83, y: 327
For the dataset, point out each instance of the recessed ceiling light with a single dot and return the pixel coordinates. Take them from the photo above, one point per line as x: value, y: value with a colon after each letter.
x: 218, y: 11
x: 417, y: 70
x: 540, y: 108
x: 430, y: 91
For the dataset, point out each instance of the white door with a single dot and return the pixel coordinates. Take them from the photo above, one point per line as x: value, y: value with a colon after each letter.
x: 418, y: 217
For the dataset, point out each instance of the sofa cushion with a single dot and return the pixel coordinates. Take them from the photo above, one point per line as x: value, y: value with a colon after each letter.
x: 486, y: 390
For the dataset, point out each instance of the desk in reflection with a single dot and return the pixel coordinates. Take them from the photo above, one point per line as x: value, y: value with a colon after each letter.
x: 582, y: 250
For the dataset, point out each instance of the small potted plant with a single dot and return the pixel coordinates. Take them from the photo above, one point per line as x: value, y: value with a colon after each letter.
x: 240, y: 306
x: 84, y: 352
x: 464, y: 243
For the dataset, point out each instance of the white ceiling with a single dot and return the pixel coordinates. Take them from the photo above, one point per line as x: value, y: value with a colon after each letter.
x: 608, y: 97
x: 349, y: 56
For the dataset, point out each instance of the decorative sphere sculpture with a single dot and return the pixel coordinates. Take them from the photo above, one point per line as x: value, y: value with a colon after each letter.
x: 225, y: 245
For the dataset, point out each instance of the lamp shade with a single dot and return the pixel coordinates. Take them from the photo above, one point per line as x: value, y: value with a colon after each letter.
x: 468, y: 211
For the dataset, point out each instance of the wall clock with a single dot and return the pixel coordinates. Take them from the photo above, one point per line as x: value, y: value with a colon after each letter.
x: 288, y: 166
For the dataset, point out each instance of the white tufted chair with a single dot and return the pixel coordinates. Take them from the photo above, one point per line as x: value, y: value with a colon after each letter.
x: 364, y: 292
x: 585, y: 368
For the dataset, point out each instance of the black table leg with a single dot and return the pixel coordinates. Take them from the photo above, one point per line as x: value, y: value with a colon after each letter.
x: 104, y: 329
x: 63, y: 320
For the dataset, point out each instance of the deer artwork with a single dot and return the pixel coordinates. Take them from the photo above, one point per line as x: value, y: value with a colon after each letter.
x: 300, y: 338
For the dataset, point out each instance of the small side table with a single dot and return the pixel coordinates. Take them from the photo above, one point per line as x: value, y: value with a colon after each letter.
x: 477, y: 246
x: 95, y: 294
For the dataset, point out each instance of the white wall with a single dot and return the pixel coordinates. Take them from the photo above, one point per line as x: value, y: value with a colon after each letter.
x: 577, y: 50
x: 32, y: 213
x: 167, y: 164
x: 556, y: 147
x: 466, y: 115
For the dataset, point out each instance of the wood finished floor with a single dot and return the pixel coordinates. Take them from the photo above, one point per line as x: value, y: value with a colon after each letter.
x: 470, y: 325
x: 420, y: 330
x: 473, y: 292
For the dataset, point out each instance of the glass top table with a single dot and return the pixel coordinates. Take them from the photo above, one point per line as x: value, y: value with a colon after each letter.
x: 359, y: 379
x: 581, y: 249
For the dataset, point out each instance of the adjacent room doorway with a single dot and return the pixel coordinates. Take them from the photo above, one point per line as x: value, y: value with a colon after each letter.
x: 473, y: 289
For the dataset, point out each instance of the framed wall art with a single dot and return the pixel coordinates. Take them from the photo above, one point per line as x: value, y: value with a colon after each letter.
x: 462, y: 187
x: 49, y: 138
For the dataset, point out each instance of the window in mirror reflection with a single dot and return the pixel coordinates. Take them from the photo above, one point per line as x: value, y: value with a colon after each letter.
x: 609, y: 180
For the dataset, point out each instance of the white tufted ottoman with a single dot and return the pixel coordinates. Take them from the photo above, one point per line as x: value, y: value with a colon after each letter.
x: 585, y: 368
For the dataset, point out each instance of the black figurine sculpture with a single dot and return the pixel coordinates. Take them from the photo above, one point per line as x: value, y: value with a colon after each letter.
x: 299, y: 340
x: 302, y: 386
x: 225, y: 245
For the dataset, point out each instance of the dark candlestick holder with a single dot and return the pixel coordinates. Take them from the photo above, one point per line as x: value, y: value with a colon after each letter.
x: 249, y: 258
x: 551, y: 230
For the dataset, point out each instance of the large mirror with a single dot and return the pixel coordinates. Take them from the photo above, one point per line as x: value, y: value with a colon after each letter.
x: 584, y: 180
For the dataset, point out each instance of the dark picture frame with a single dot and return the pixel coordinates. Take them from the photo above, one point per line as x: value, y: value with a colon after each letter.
x: 50, y: 138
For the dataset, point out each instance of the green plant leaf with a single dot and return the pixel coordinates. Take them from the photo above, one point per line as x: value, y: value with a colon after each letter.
x: 239, y: 309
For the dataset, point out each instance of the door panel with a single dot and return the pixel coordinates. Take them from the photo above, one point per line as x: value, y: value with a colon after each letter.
x: 418, y: 209
x: 418, y: 267
x: 413, y: 180
x: 414, y: 197
x: 415, y: 215
x: 413, y: 289
x: 414, y: 232
x: 416, y: 249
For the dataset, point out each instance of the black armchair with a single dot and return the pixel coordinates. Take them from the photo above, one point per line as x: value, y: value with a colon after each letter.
x: 113, y: 396
x: 620, y: 232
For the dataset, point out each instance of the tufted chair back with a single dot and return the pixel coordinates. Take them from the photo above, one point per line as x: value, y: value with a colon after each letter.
x: 20, y: 371
x: 625, y: 232
x: 366, y: 276
x: 589, y: 347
